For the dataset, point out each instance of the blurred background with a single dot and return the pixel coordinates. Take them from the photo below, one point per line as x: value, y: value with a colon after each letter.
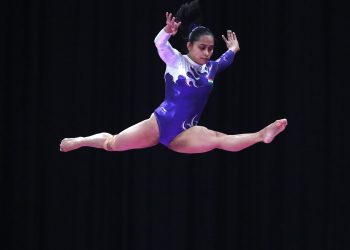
x: 76, y: 68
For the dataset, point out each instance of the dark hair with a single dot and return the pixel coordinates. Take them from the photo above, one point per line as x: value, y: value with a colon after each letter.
x: 190, y: 16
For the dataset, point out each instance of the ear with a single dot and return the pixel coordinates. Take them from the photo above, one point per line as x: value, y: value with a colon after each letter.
x: 189, y: 46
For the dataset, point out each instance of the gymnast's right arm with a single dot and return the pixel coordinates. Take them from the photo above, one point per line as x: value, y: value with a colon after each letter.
x: 168, y: 54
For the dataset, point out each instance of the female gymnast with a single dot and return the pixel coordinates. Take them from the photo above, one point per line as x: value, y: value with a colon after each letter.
x: 188, y: 83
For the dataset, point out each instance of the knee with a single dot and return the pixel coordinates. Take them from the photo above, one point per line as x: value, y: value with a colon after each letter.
x: 109, y: 144
x: 219, y: 134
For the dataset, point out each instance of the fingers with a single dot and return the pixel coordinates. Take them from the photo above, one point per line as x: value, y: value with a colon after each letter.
x: 169, y: 17
x: 171, y: 22
x: 234, y: 36
x: 225, y: 40
x: 177, y: 24
x: 231, y: 35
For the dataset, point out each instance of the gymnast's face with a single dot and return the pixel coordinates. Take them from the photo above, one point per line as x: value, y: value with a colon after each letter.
x: 200, y: 51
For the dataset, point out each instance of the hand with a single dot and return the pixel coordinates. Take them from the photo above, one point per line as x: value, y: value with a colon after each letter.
x: 171, y: 25
x: 231, y: 41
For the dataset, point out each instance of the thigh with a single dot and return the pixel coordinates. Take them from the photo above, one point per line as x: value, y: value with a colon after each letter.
x: 141, y: 135
x: 197, y: 139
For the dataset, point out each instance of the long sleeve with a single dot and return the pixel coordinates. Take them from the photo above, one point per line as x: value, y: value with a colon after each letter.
x: 225, y: 60
x: 166, y: 52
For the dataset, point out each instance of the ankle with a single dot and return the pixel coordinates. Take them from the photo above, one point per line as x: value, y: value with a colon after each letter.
x: 260, y: 135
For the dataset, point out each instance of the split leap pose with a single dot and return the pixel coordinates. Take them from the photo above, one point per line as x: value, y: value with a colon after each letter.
x: 188, y: 83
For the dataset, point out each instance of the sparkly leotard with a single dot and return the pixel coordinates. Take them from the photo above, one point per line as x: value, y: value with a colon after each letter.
x: 187, y: 88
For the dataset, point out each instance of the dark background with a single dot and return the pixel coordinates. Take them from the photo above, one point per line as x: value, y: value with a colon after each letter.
x: 75, y: 68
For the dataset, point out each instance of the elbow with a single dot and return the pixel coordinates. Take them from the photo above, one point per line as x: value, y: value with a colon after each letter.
x: 156, y: 43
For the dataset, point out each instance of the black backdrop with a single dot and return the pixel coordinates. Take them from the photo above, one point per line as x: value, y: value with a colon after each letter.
x: 75, y: 68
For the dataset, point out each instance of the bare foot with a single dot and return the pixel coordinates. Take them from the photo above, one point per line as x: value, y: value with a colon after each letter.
x: 269, y: 133
x: 69, y: 144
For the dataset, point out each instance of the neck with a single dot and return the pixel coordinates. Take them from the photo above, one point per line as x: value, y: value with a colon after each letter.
x: 189, y: 56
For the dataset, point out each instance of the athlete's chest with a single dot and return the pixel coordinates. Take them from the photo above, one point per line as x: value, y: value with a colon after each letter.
x: 192, y: 76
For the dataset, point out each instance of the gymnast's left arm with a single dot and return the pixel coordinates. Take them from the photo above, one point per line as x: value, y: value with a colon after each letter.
x: 232, y: 48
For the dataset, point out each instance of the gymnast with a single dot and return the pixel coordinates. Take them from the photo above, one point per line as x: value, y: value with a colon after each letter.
x: 189, y: 80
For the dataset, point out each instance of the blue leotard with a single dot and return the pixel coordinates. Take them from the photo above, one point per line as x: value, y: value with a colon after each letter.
x: 187, y: 88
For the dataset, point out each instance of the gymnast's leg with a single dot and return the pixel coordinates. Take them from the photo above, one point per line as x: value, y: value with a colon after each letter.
x: 141, y: 135
x: 199, y: 139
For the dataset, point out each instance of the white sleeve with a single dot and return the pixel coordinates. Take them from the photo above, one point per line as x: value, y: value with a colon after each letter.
x: 166, y: 52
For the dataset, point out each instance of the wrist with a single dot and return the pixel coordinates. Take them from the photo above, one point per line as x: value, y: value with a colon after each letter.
x: 167, y: 29
x: 234, y: 50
